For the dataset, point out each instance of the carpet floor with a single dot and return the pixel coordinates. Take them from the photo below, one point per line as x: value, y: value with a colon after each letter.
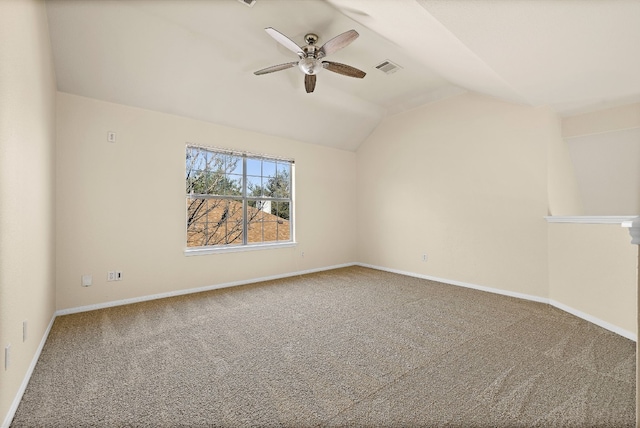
x: 347, y: 347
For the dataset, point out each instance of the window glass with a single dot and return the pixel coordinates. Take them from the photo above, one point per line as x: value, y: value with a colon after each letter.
x: 237, y: 199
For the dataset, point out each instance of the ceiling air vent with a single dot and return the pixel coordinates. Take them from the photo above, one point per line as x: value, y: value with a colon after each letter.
x: 249, y: 3
x: 388, y: 67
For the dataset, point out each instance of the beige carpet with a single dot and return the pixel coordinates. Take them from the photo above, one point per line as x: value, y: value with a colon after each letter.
x: 349, y: 347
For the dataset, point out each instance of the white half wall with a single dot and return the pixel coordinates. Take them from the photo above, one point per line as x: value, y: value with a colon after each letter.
x: 593, y: 269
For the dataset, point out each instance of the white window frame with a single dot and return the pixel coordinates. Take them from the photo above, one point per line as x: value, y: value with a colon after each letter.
x: 245, y: 199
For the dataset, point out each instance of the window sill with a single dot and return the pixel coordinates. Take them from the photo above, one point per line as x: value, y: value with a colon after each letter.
x: 236, y: 249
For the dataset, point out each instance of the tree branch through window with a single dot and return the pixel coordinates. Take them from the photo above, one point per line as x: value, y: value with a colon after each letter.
x: 237, y: 199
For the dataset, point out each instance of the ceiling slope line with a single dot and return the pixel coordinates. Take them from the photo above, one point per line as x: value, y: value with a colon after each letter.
x: 522, y: 98
x: 426, y: 39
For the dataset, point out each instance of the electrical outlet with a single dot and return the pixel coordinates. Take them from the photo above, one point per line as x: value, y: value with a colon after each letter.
x: 302, y: 254
x: 111, y: 276
x: 118, y: 275
x: 111, y: 137
x: 424, y: 257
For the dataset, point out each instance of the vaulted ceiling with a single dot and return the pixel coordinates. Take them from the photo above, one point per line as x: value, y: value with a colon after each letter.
x: 196, y: 58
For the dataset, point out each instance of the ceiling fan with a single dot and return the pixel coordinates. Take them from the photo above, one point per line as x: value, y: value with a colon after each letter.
x: 310, y: 62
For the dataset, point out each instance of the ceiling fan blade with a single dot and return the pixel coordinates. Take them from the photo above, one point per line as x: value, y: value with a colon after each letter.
x: 345, y: 70
x: 309, y: 82
x: 285, y: 41
x: 275, y: 68
x: 338, y: 42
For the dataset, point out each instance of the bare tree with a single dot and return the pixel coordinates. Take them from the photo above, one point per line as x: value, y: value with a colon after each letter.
x: 214, y: 198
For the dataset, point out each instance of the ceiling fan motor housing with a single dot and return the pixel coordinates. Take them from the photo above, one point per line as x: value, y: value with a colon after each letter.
x: 310, y: 64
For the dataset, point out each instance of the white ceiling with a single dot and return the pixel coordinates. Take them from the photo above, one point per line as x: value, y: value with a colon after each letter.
x: 196, y: 58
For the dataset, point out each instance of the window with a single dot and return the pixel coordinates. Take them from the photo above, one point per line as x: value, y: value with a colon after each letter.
x: 237, y: 199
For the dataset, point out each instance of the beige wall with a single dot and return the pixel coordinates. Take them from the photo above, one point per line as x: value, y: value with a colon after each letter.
x: 607, y: 168
x: 602, y: 121
x: 121, y: 206
x: 468, y: 181
x: 465, y: 181
x: 605, y: 151
x: 27, y: 144
x: 563, y: 187
x: 593, y: 269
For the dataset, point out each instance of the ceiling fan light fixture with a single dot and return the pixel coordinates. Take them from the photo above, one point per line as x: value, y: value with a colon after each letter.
x: 310, y: 66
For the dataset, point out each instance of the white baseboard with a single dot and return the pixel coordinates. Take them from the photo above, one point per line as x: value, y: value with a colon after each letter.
x: 461, y: 284
x: 23, y: 386
x: 590, y: 318
x: 597, y: 321
x: 193, y: 290
x: 604, y: 324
